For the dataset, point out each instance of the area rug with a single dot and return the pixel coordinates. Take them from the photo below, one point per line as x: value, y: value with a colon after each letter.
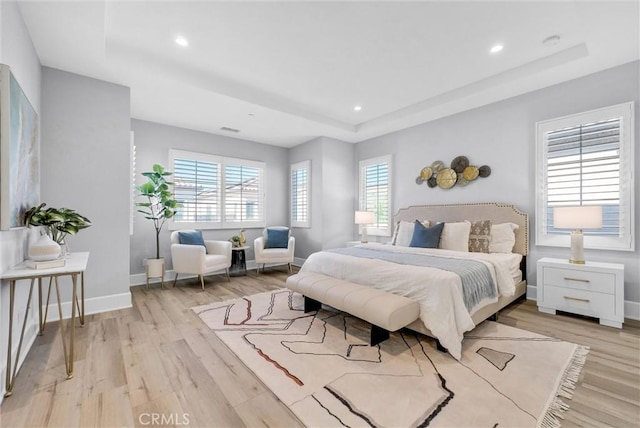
x: 321, y: 366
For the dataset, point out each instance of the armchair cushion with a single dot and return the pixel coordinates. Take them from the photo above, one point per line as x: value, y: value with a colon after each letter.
x: 191, y: 237
x: 277, y: 237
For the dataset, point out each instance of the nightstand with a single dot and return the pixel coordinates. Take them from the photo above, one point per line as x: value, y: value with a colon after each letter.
x: 593, y: 289
x: 353, y: 243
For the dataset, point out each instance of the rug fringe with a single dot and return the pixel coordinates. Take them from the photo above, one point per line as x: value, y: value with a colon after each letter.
x: 567, y: 386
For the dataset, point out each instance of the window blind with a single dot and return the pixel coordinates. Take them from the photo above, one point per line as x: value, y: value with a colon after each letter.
x: 583, y: 168
x: 197, y: 189
x: 300, y: 194
x: 375, y: 193
x: 243, y: 194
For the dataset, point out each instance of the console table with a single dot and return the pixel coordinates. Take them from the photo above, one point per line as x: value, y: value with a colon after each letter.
x: 75, y: 265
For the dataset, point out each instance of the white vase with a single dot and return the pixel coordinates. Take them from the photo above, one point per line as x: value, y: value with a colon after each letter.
x: 44, y: 249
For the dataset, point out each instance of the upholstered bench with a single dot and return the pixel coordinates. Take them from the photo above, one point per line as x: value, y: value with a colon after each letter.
x: 385, y: 311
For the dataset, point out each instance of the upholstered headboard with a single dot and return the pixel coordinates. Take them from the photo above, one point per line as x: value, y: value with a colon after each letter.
x: 494, y: 211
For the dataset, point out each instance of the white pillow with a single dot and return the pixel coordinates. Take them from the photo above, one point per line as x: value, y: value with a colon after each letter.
x: 503, y: 237
x: 404, y: 232
x: 455, y: 236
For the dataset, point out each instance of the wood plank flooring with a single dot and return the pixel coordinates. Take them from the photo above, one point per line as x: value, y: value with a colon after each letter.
x: 157, y: 364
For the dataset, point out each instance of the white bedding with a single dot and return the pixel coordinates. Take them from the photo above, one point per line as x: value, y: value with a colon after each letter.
x: 438, y: 292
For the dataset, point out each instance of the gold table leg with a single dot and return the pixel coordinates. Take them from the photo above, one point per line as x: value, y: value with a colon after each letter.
x: 11, y: 374
x: 68, y: 356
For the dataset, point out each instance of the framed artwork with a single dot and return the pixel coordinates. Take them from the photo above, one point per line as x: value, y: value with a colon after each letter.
x: 19, y: 152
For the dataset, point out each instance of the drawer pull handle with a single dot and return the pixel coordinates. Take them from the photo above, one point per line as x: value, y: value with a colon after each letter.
x: 567, y: 278
x: 577, y: 299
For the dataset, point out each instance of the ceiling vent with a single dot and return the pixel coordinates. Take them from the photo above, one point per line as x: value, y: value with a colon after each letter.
x: 227, y: 129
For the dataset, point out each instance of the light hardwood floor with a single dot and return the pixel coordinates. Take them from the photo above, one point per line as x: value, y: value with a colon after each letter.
x: 158, y: 360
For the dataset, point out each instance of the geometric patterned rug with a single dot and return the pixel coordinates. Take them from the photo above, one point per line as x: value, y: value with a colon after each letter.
x: 320, y: 365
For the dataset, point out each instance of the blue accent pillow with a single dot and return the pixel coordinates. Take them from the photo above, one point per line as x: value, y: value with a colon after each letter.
x: 277, y: 237
x: 426, y: 237
x: 191, y: 237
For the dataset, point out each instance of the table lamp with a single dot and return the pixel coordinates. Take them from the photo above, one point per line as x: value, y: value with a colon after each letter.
x: 577, y: 218
x: 364, y: 218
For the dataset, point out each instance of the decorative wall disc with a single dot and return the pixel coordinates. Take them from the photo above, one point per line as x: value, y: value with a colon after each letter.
x: 470, y: 173
x: 446, y: 178
x: 461, y: 173
x: 459, y: 163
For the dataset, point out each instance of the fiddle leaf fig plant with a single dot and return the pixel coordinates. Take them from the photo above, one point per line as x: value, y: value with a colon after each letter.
x: 57, y: 222
x: 159, y: 205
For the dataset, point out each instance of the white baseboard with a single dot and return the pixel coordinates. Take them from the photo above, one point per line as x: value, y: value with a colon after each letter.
x: 93, y: 305
x: 631, y: 309
x: 141, y: 278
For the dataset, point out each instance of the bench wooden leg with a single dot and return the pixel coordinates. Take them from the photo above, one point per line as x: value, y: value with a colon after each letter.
x: 378, y: 334
x: 311, y: 305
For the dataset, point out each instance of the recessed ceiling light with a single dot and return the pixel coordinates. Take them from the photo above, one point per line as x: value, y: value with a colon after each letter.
x: 357, y: 108
x: 496, y: 48
x: 182, y: 41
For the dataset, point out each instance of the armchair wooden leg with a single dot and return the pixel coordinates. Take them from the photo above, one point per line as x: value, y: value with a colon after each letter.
x: 202, y: 281
x: 289, y: 264
x: 175, y: 279
x: 228, y: 278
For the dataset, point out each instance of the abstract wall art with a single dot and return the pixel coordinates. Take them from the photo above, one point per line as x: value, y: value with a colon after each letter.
x: 19, y: 152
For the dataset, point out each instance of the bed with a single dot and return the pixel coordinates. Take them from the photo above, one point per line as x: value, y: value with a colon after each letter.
x: 444, y: 312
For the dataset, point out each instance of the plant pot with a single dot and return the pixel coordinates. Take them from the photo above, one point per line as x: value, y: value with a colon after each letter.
x: 155, y: 268
x: 44, y: 249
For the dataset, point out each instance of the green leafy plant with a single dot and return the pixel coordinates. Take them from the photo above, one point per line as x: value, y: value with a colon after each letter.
x: 159, y: 205
x: 57, y: 222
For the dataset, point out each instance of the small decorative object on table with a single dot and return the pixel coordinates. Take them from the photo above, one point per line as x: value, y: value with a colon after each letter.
x: 57, y: 223
x: 238, y: 240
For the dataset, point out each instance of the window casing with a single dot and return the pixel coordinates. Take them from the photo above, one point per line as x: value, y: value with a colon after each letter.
x: 587, y: 159
x: 301, y: 194
x: 375, y: 193
x: 217, y: 192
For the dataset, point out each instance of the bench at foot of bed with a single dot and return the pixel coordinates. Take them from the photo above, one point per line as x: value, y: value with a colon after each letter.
x: 385, y: 311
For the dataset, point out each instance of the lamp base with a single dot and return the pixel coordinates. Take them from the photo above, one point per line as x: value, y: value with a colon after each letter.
x: 364, y: 238
x: 577, y: 247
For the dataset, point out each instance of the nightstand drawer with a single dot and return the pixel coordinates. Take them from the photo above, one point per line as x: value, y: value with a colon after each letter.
x: 580, y: 302
x: 580, y: 280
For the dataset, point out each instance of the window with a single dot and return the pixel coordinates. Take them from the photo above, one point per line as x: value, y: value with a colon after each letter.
x: 375, y: 193
x: 301, y: 194
x: 217, y: 192
x: 587, y: 159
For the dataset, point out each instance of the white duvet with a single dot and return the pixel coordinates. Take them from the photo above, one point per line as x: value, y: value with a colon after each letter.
x: 438, y: 292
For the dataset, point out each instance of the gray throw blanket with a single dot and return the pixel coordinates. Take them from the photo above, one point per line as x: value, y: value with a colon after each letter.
x: 477, y: 283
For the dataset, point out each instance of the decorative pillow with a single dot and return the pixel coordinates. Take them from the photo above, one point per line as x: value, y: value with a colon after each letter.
x: 480, y: 236
x: 503, y: 237
x: 404, y: 232
x: 277, y: 237
x: 191, y: 237
x: 455, y: 236
x: 426, y: 237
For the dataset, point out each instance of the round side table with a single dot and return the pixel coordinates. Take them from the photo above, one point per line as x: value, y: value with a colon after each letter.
x: 238, y: 261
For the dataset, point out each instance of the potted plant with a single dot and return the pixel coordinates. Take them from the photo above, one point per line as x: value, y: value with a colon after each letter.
x: 57, y: 224
x: 159, y: 206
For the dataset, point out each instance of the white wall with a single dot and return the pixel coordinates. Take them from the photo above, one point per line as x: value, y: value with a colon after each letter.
x: 333, y: 201
x: 17, y: 51
x: 153, y: 142
x: 85, y: 166
x: 502, y: 135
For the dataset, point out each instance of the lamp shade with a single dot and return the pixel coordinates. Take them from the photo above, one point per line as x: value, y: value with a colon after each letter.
x: 365, y: 217
x: 578, y: 217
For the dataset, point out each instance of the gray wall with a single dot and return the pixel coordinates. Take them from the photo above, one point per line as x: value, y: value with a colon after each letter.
x: 17, y: 51
x: 502, y: 135
x: 333, y: 200
x: 85, y: 166
x: 153, y: 142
